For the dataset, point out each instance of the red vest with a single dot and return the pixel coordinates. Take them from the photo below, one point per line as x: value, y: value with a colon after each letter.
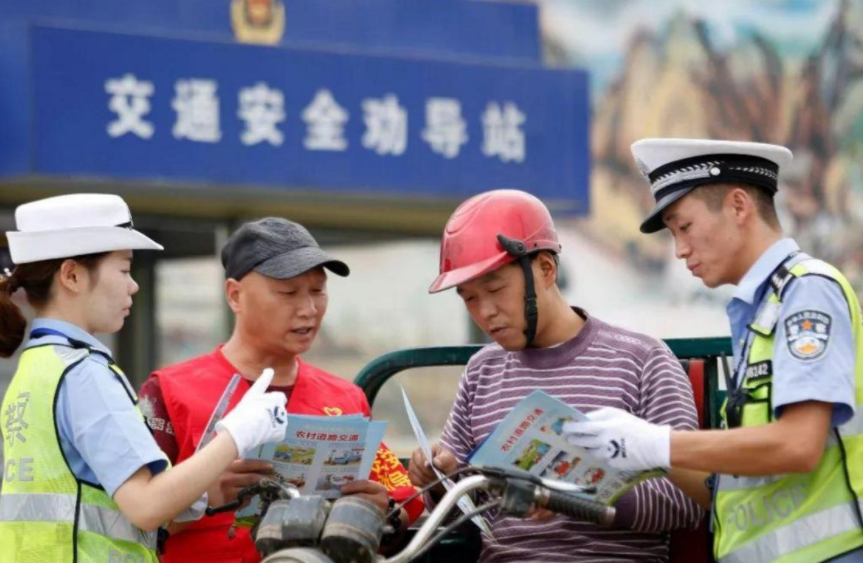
x: 191, y: 390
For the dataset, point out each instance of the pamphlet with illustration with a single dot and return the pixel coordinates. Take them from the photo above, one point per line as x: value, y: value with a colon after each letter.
x: 318, y: 455
x: 530, y: 438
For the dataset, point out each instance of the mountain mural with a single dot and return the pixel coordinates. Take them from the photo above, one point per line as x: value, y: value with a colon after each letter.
x: 678, y: 82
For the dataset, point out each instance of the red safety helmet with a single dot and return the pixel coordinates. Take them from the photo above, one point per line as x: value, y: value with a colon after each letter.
x: 491, y: 230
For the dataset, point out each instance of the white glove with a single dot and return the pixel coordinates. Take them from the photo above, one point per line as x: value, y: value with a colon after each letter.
x: 622, y: 440
x: 259, y: 418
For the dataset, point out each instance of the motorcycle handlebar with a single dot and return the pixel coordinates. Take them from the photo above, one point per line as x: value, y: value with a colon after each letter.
x: 579, y: 508
x: 522, y: 495
x: 519, y: 494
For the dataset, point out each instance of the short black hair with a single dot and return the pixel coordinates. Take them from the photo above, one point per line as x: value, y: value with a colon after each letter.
x: 714, y: 195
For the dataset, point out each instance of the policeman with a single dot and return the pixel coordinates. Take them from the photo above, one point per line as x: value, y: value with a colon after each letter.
x: 84, y: 480
x: 789, y: 462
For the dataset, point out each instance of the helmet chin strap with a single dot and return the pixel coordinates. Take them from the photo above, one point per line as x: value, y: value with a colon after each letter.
x: 517, y: 248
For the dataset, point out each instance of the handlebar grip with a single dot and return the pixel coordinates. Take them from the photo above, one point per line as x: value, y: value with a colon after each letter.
x: 580, y: 508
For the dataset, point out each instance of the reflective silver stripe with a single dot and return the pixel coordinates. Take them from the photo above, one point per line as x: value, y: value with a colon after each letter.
x: 816, y: 266
x: 732, y: 483
x: 112, y: 524
x: 61, y: 508
x: 768, y: 317
x: 854, y: 426
x: 37, y: 508
x: 797, y: 535
x: 69, y: 355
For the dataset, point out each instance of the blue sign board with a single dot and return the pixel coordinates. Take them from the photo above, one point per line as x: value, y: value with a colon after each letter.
x: 510, y: 29
x: 144, y: 108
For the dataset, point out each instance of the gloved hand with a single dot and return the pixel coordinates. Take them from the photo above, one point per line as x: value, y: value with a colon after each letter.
x: 259, y: 418
x: 622, y: 440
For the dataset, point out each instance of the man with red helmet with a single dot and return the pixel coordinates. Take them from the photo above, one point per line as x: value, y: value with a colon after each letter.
x: 499, y: 250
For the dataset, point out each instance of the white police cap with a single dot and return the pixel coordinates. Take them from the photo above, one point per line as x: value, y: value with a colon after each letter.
x: 675, y: 167
x: 74, y: 225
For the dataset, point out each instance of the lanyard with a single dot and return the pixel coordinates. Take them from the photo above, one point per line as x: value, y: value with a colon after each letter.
x: 736, y: 380
x: 40, y: 332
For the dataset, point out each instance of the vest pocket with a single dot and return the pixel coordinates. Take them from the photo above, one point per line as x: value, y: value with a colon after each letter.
x: 759, y: 405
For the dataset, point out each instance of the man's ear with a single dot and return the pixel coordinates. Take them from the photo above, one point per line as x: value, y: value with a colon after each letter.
x: 547, y: 269
x: 233, y: 289
x: 741, y: 204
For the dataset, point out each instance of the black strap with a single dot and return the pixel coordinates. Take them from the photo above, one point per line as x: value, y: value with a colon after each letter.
x: 517, y: 248
x: 782, y: 275
x: 531, y: 313
x: 162, y: 536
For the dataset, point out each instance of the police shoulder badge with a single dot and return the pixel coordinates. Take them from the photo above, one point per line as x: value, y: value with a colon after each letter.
x: 808, y: 333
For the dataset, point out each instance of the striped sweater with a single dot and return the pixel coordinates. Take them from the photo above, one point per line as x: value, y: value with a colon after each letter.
x: 602, y: 366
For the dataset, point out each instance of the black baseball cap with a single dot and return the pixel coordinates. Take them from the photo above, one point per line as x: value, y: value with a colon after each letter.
x: 276, y: 248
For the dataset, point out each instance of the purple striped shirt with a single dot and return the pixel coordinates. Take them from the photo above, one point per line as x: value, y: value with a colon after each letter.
x: 602, y: 366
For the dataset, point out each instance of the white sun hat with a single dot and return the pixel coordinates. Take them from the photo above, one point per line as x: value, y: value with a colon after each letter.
x: 74, y: 225
x: 675, y: 167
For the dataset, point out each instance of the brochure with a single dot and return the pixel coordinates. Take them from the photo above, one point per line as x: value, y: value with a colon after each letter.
x: 318, y: 455
x: 530, y: 439
x: 219, y: 412
x: 465, y: 504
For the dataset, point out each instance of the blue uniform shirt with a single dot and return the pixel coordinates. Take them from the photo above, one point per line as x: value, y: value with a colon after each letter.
x: 102, y: 434
x: 827, y: 375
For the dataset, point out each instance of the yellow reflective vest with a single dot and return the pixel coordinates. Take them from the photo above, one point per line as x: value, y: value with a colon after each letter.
x: 47, y: 515
x: 793, y: 518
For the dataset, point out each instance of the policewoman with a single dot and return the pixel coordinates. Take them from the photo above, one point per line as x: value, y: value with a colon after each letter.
x: 84, y: 480
x: 789, y: 462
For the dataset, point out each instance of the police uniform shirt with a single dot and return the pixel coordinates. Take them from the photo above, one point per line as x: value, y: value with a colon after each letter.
x: 820, y: 371
x: 102, y: 434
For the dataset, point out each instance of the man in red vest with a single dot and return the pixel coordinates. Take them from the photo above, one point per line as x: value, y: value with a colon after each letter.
x: 276, y: 287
